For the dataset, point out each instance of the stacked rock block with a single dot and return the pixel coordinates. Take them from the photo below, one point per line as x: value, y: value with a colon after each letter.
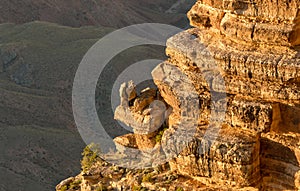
x: 254, y: 46
x: 247, y: 51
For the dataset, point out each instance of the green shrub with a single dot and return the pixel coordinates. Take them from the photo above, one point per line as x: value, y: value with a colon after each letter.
x: 89, y: 157
x: 160, y: 133
x: 64, y: 188
x: 101, y: 188
x: 147, y: 178
x: 75, y: 185
x: 136, y: 188
x: 139, y: 188
x: 179, y: 189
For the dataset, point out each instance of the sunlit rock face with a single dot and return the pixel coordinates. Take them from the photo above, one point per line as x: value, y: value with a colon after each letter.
x: 266, y: 22
x: 232, y: 82
x: 253, y: 45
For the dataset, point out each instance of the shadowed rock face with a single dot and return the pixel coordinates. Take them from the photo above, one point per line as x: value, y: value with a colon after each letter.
x: 241, y: 64
x: 279, y: 165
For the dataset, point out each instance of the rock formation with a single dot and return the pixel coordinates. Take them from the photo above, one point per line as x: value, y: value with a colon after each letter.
x: 232, y: 82
x: 254, y: 46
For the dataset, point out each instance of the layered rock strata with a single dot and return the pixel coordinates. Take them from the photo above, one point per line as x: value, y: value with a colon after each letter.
x: 247, y: 51
x: 226, y: 110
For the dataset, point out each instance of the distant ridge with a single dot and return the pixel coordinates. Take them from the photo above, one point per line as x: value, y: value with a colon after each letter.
x: 76, y: 13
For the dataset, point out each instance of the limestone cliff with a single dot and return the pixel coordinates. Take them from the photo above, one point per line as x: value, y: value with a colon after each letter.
x: 241, y: 65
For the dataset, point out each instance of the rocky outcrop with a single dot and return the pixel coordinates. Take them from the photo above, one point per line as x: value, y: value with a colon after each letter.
x: 280, y: 161
x: 253, y: 48
x: 242, y: 66
x: 231, y: 89
x: 231, y: 160
x: 250, y: 21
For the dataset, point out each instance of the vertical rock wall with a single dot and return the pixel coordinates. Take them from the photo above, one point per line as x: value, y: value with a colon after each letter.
x: 243, y: 55
x: 226, y: 110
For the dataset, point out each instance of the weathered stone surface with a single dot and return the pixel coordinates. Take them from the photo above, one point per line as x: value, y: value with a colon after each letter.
x: 242, y: 49
x: 250, y: 21
x: 144, y: 100
x: 146, y: 114
x: 231, y: 160
x: 280, y: 159
x: 197, y: 47
x: 264, y: 9
x: 173, y: 82
x: 256, y: 116
x: 269, y: 77
x: 128, y: 140
x: 249, y: 45
x: 242, y: 113
x: 202, y: 15
x: 288, y: 119
x: 230, y: 96
x: 64, y: 183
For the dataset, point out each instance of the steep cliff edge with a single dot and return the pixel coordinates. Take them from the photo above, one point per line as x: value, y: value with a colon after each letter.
x: 236, y: 77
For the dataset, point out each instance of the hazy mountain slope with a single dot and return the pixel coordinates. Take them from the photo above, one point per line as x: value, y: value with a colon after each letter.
x: 114, y: 13
x: 38, y: 139
x: 39, y: 61
x: 35, y: 156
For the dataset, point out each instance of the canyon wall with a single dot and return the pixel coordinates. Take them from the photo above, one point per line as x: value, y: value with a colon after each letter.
x: 247, y: 51
x: 236, y: 77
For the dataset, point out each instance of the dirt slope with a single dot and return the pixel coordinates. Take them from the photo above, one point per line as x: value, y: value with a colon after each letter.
x: 114, y: 13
